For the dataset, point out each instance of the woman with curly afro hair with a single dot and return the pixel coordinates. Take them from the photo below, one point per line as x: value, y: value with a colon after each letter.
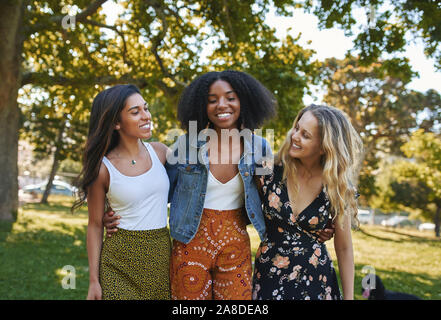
x: 212, y: 191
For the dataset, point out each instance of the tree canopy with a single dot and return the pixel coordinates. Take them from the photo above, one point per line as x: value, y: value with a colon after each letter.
x: 383, y: 111
x: 389, y: 26
x: 63, y: 53
x: 57, y: 55
x: 413, y: 182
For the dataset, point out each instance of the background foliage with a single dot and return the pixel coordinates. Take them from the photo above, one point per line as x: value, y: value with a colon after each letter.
x: 54, y: 70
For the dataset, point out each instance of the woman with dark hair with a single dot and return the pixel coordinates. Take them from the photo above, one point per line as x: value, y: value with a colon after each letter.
x: 257, y: 104
x: 213, y: 195
x: 121, y: 171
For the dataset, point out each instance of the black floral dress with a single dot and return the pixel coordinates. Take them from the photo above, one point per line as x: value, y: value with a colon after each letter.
x: 291, y: 263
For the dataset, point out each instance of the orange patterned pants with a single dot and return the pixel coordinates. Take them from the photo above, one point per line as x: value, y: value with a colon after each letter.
x: 216, y: 263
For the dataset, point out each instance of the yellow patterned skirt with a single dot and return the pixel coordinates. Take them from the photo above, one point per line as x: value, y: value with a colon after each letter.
x: 134, y: 265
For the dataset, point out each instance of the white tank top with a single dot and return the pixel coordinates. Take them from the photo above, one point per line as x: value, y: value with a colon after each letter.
x: 224, y: 196
x: 141, y: 201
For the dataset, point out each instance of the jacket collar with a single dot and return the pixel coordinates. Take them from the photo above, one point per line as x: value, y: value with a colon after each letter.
x: 195, y: 142
x: 199, y: 141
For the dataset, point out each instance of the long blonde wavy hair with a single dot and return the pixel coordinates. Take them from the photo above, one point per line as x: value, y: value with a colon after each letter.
x: 342, y: 148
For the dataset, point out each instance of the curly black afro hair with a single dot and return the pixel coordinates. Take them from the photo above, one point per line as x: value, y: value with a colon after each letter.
x: 257, y: 103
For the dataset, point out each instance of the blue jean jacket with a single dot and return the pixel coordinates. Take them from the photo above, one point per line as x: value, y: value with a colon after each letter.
x: 188, y: 166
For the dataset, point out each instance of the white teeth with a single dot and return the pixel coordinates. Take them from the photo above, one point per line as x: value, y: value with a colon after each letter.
x: 223, y: 115
x: 296, y: 146
x: 146, y: 126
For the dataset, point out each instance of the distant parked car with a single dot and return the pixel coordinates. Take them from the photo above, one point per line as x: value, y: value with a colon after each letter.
x: 426, y: 226
x: 58, y: 187
x: 365, y: 216
x: 396, y: 221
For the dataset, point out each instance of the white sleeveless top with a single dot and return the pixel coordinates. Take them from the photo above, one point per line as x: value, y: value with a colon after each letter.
x: 141, y: 201
x: 224, y: 196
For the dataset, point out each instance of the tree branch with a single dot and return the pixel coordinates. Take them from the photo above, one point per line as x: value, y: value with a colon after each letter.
x: 230, y: 27
x: 156, y: 42
x: 56, y: 20
x: 82, y: 17
x: 43, y: 79
x: 39, y: 78
x: 114, y: 28
x: 90, y: 10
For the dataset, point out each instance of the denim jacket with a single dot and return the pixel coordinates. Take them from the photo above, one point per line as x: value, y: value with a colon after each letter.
x: 188, y: 166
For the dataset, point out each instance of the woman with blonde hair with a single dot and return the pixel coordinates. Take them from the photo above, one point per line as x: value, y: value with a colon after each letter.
x: 313, y: 180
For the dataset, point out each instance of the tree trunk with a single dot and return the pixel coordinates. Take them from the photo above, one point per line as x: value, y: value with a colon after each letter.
x: 55, y: 163
x: 11, y: 46
x: 437, y: 220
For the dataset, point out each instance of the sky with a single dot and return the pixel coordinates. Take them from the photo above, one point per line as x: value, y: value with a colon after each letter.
x: 332, y: 43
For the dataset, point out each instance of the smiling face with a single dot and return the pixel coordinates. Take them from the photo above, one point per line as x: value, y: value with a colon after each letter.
x: 223, y: 106
x: 305, y: 139
x: 135, y: 118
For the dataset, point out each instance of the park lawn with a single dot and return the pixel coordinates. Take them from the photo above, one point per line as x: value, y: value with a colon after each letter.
x: 34, y: 250
x: 46, y: 238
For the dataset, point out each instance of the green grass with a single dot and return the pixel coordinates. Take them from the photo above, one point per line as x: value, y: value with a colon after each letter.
x: 34, y: 250
x: 46, y: 238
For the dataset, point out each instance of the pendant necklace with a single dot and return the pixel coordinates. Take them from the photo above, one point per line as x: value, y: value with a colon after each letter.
x: 133, y: 161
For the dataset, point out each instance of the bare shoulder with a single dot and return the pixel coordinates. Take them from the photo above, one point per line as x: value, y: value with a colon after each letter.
x: 161, y: 150
x: 103, y: 178
x: 96, y: 196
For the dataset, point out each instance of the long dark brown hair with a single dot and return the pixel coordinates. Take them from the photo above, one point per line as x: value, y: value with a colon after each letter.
x: 102, y: 137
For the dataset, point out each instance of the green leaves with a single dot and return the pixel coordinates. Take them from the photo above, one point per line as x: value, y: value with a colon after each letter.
x: 425, y: 147
x: 389, y: 25
x: 381, y: 109
x: 162, y: 45
x: 158, y: 45
x: 414, y: 183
